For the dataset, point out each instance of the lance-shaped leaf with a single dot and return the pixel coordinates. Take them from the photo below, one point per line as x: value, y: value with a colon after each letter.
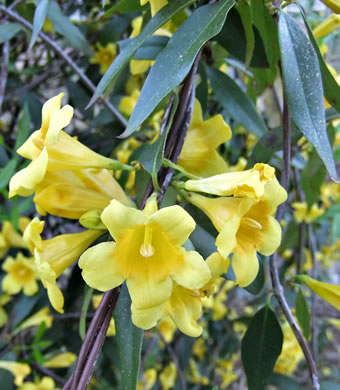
x: 302, y: 314
x: 9, y: 30
x: 329, y: 292
x: 234, y: 100
x: 39, y: 20
x: 131, y: 47
x: 175, y: 61
x: 129, y: 340
x: 261, y: 346
x: 303, y: 88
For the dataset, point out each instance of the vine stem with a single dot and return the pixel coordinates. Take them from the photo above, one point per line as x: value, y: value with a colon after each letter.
x: 57, y: 49
x: 277, y: 286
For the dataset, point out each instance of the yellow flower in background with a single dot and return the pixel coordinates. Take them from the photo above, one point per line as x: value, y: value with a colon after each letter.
x: 330, y: 24
x: 199, y: 155
x: 245, y: 226
x: 21, y: 275
x: 167, y: 328
x: 51, y: 149
x: 128, y: 103
x: 104, y: 56
x: 168, y: 376
x: 10, y: 238
x: 199, y: 349
x: 54, y: 256
x: 249, y: 183
x: 19, y: 370
x: 62, y: 360
x: 334, y: 5
x: 48, y: 26
x: 70, y: 194
x: 147, y: 254
x: 37, y: 319
x: 46, y: 383
x: 301, y: 213
x: 329, y: 193
x: 150, y: 377
x: 291, y: 353
x: 226, y: 371
x: 328, y: 292
x: 4, y: 299
x: 96, y: 299
x: 196, y: 376
x: 155, y: 5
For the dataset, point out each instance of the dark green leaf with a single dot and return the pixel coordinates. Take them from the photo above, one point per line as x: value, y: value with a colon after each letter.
x: 24, y: 307
x: 130, y: 49
x: 9, y: 30
x: 122, y: 7
x: 283, y: 382
x: 328, y: 385
x: 302, y: 314
x: 41, y: 330
x: 38, y: 356
x: 236, y: 102
x: 261, y: 346
x: 203, y: 241
x: 7, y: 172
x: 86, y: 303
x: 151, y: 48
x: 39, y: 20
x: 332, y: 88
x: 24, y: 127
x: 129, y: 340
x: 245, y: 11
x: 67, y: 29
x: 266, y: 146
x: 175, y: 61
x: 303, y: 88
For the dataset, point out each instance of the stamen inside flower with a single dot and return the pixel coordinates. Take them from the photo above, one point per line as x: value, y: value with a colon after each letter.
x: 251, y: 223
x: 146, y: 249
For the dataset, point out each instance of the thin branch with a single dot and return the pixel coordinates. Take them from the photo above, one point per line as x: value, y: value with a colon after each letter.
x: 48, y: 372
x: 57, y: 49
x: 4, y: 71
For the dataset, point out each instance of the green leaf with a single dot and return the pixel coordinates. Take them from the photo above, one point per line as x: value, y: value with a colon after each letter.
x: 9, y: 30
x: 332, y: 88
x: 335, y: 229
x: 130, y: 49
x: 236, y: 102
x: 151, y: 48
x: 7, y: 172
x: 266, y: 146
x: 129, y: 340
x: 245, y: 11
x: 302, y: 314
x: 284, y: 382
x: 67, y: 29
x: 84, y: 309
x: 260, y: 348
x: 24, y: 127
x: 122, y: 7
x: 175, y: 61
x: 39, y: 20
x: 303, y: 88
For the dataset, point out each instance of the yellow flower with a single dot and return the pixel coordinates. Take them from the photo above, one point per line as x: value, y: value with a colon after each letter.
x: 249, y: 183
x: 48, y: 26
x: 96, y: 299
x: 54, y: 256
x: 4, y: 299
x: 291, y: 353
x: 37, y: 319
x: 104, y: 56
x: 199, y: 348
x: 10, y: 238
x: 329, y: 192
x: 196, y: 376
x: 199, y: 155
x: 147, y: 253
x: 302, y: 215
x: 245, y: 226
x: 21, y: 275
x: 70, y: 194
x: 46, y: 383
x: 168, y: 376
x: 150, y: 377
x: 167, y: 328
x: 62, y: 360
x: 329, y: 292
x: 51, y: 149
x: 155, y: 5
x: 127, y: 104
x: 19, y: 370
x: 331, y: 23
x: 334, y: 5
x: 226, y: 371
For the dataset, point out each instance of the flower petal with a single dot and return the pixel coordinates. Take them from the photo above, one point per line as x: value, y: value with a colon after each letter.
x: 175, y: 221
x: 245, y: 267
x: 149, y: 293
x: 271, y: 237
x: 58, y: 121
x: 28, y: 148
x: 218, y: 265
x: 99, y: 267
x: 52, y: 105
x: 118, y: 218
x: 147, y: 318
x: 194, y: 273
x: 10, y: 286
x: 55, y: 296
x: 226, y: 240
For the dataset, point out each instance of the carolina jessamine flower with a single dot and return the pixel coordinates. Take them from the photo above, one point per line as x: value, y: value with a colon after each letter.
x: 168, y: 376
x: 70, y: 194
x: 37, y: 319
x: 301, y: 213
x: 249, y: 183
x: 96, y: 299
x: 21, y: 275
x: 10, y: 238
x: 62, y: 360
x: 245, y: 226
x: 51, y: 149
x: 331, y: 23
x: 199, y: 155
x: 128, y: 103
x: 150, y: 377
x: 199, y: 349
x: 334, y: 5
x: 104, y: 56
x: 226, y: 371
x: 155, y: 5
x: 167, y: 328
x: 147, y: 253
x: 54, y: 256
x: 196, y: 376
x: 46, y: 383
x: 4, y: 299
x: 19, y: 370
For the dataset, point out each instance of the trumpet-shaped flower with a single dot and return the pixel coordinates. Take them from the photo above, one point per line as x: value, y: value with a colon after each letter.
x: 54, y: 256
x: 167, y: 328
x: 19, y: 370
x: 249, y: 183
x: 51, y: 149
x: 150, y: 377
x: 21, y: 275
x: 168, y: 376
x: 70, y: 194
x: 245, y: 226
x: 199, y: 155
x: 104, y: 56
x: 301, y: 213
x: 46, y: 383
x: 147, y: 253
x: 62, y: 360
x: 331, y: 23
x: 42, y: 316
x: 10, y: 238
x: 334, y: 5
